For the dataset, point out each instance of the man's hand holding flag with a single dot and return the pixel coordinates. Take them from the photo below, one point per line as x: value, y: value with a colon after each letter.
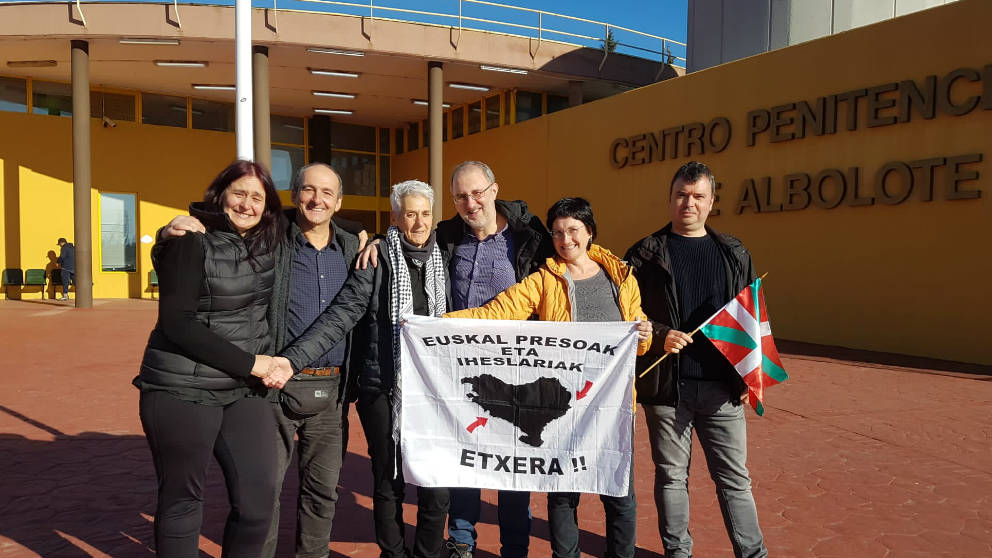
x: 742, y: 333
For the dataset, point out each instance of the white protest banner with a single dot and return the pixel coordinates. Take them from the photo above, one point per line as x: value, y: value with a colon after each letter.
x: 517, y: 405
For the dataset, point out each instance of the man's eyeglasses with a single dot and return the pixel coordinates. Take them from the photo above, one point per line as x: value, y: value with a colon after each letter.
x: 476, y: 195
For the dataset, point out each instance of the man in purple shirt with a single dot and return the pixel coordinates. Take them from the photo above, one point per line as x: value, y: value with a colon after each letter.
x: 492, y: 244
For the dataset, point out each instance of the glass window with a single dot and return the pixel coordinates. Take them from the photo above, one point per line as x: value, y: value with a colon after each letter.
x: 366, y: 218
x: 413, y: 137
x: 383, y: 140
x: 458, y: 123
x: 357, y: 172
x: 212, y: 115
x: 557, y: 103
x: 444, y: 126
x: 399, y: 141
x: 286, y: 161
x: 117, y: 232
x: 475, y: 117
x: 13, y: 94
x: 492, y: 112
x: 163, y: 110
x: 114, y: 106
x: 352, y: 136
x: 427, y: 133
x: 286, y: 129
x: 384, y: 183
x: 51, y: 98
x: 528, y: 105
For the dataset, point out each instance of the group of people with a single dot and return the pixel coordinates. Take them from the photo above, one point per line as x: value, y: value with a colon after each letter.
x: 272, y: 322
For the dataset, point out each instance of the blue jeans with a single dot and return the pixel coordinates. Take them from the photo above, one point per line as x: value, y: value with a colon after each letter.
x: 718, y: 418
x: 66, y: 277
x: 514, y: 519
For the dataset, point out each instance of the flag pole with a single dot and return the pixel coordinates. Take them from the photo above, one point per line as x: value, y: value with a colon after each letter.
x: 695, y: 331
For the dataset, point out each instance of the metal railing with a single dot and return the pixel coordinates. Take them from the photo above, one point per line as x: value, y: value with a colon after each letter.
x: 474, y: 15
x: 506, y: 19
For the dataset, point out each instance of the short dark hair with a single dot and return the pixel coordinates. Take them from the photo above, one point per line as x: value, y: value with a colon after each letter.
x: 576, y: 208
x: 690, y: 173
x: 263, y: 236
x: 61, y: 240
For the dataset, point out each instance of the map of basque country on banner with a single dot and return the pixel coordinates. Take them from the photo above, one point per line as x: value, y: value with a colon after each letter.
x: 518, y: 405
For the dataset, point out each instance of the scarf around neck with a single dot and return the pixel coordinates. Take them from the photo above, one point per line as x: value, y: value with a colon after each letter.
x: 401, y: 299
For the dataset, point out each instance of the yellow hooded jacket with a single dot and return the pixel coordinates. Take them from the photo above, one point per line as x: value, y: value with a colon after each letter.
x: 547, y: 293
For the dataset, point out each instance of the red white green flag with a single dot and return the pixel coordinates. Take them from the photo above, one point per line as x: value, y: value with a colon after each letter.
x: 740, y: 330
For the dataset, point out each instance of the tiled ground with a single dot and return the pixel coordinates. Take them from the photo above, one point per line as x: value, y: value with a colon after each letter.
x: 850, y: 459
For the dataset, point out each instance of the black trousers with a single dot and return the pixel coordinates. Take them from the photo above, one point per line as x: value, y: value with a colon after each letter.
x: 387, y: 492
x: 182, y: 437
x: 621, y: 523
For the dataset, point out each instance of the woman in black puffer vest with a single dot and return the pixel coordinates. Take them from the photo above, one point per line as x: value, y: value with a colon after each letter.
x: 200, y: 385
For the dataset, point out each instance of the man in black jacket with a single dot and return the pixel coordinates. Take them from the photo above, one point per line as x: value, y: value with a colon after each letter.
x: 491, y: 245
x: 687, y: 271
x: 410, y: 277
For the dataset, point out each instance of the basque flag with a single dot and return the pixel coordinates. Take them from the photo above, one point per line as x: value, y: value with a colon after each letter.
x: 740, y: 330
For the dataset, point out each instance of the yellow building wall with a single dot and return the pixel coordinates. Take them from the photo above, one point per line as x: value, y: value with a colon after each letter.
x: 909, y: 278
x: 165, y: 168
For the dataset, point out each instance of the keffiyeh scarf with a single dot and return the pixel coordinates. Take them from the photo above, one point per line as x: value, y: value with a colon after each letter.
x: 401, y: 304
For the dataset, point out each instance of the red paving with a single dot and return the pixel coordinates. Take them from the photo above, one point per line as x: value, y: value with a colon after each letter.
x: 850, y: 459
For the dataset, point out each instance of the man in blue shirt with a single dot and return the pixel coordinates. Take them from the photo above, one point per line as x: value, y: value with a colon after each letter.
x: 492, y: 244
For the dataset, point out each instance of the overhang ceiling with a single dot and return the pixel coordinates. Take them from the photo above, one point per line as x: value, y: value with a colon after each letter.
x: 392, y: 71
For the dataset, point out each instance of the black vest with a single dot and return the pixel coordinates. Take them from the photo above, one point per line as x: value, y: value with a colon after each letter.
x: 234, y: 299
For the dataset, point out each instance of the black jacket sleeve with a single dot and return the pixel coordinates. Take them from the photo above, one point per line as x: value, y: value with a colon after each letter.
x: 354, y: 227
x: 331, y: 327
x: 180, y: 270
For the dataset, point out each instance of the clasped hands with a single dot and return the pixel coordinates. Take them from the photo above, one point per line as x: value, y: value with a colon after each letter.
x: 273, y: 371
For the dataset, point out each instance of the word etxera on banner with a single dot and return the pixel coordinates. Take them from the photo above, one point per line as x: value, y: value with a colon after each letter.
x: 518, y: 405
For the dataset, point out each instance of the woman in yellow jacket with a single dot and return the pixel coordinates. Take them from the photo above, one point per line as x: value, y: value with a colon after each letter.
x: 583, y: 283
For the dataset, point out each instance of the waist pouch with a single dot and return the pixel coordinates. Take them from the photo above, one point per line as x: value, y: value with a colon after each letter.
x: 309, y: 395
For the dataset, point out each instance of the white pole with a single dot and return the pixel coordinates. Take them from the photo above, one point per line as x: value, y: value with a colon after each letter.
x: 242, y: 57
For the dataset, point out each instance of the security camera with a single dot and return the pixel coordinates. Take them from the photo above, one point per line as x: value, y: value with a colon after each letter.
x: 109, y: 122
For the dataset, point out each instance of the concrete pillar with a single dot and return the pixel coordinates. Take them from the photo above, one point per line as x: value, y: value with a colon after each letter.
x: 82, y: 229
x: 574, y: 93
x: 260, y: 108
x: 435, y: 149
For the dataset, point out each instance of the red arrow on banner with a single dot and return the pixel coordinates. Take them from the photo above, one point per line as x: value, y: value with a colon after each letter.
x: 584, y: 391
x: 479, y: 421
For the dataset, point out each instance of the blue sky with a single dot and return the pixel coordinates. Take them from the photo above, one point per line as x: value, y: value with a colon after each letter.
x: 658, y: 17
x: 665, y: 18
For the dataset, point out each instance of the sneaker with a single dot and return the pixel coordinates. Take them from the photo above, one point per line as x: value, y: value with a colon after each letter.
x: 458, y: 550
x: 64, y: 298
